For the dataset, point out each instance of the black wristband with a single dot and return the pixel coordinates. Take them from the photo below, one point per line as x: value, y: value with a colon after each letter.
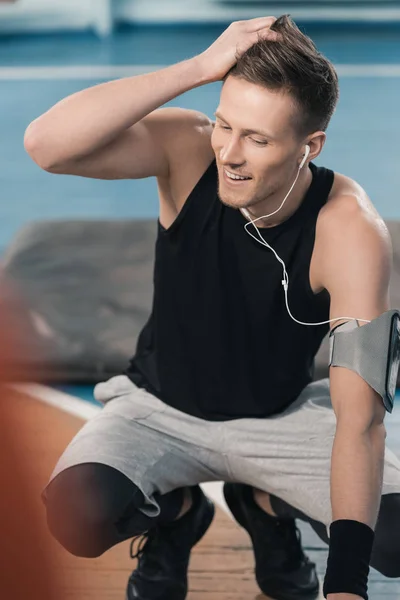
x: 350, y: 550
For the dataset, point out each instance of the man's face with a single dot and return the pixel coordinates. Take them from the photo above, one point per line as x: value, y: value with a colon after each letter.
x: 269, y: 158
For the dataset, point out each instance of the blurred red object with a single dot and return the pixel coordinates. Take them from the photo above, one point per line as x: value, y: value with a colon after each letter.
x: 25, y: 557
x: 19, y: 348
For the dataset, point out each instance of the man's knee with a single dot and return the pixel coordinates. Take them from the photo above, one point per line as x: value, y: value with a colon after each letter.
x: 386, y: 550
x: 71, y: 522
x: 386, y: 558
x: 79, y: 515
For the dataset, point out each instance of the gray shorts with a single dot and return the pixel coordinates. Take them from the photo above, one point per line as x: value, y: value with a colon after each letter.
x: 160, y: 448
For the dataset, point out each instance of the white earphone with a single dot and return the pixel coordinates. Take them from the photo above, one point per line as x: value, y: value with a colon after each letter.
x: 260, y: 239
x: 303, y: 162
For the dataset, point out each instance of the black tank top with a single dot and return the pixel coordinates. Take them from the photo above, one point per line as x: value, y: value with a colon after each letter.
x: 219, y: 343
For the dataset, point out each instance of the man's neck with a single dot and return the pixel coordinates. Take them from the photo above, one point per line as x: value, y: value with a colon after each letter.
x: 292, y: 204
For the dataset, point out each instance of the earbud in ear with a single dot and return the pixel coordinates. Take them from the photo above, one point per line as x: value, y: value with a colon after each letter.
x: 307, y: 152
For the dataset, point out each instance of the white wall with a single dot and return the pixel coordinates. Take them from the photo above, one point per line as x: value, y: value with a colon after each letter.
x: 53, y: 15
x: 100, y: 15
x: 214, y: 11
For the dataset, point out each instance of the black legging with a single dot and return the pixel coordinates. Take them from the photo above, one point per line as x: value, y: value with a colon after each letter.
x: 92, y: 507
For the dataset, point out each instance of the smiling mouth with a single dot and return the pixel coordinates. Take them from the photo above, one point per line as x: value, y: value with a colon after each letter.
x: 235, y: 181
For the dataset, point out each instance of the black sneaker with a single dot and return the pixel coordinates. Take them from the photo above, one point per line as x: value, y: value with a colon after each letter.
x: 163, y: 553
x: 282, y: 570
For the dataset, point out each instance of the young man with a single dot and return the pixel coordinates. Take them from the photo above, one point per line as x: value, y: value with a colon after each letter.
x: 220, y: 387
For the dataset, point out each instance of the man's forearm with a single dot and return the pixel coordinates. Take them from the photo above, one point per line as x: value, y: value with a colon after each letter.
x: 357, y: 473
x: 356, y: 479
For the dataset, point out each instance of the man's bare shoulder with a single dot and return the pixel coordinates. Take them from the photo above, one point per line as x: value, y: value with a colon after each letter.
x: 182, y: 120
x: 349, y: 200
x: 189, y: 152
x: 348, y: 216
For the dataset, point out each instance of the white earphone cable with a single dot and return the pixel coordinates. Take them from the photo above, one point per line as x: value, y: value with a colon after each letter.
x: 285, y: 280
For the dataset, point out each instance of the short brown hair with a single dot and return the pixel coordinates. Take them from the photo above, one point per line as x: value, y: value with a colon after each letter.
x: 293, y: 64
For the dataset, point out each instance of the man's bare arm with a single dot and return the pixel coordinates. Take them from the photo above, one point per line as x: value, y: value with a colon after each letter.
x: 115, y: 122
x: 146, y: 149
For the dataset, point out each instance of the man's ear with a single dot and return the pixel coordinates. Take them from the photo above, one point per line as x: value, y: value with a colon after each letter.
x: 316, y: 141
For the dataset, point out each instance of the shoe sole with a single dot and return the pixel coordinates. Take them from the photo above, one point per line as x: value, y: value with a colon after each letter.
x: 208, y: 519
x: 237, y: 512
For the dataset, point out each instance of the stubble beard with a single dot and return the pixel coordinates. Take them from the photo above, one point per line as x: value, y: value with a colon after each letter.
x: 246, y: 200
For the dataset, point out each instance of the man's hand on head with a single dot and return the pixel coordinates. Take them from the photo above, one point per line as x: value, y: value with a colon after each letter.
x: 224, y: 53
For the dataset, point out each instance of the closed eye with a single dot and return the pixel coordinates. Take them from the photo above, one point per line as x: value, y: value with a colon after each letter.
x: 255, y: 141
